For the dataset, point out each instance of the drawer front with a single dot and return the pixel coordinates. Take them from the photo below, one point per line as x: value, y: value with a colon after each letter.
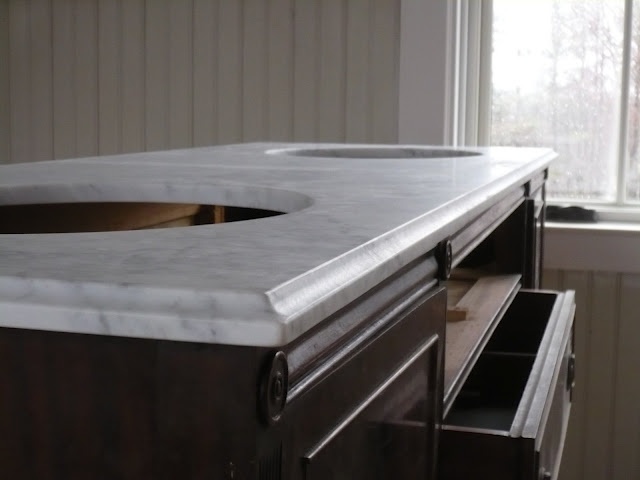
x: 370, y: 402
x: 513, y: 409
x: 391, y: 434
x: 551, y: 440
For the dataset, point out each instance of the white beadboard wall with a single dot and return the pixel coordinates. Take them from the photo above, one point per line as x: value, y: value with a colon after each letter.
x: 603, y: 441
x: 94, y: 77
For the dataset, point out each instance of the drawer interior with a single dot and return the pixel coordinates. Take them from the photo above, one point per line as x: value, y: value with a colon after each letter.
x: 524, y: 323
x: 490, y: 396
x: 483, y: 304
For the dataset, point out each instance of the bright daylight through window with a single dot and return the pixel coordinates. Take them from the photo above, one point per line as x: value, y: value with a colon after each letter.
x: 565, y: 75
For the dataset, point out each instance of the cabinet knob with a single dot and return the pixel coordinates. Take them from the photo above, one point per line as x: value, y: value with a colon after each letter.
x: 546, y: 475
x: 273, y: 388
x: 444, y: 257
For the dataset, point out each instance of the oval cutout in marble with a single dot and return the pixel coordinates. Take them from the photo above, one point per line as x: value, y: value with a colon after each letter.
x: 381, y: 152
x: 35, y: 209
x: 118, y: 216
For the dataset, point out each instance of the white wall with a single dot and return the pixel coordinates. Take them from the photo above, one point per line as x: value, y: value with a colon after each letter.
x: 601, y: 262
x: 603, y: 440
x: 426, y: 71
x: 92, y: 77
x: 4, y: 82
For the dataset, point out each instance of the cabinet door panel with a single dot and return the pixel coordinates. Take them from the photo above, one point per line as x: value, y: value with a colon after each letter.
x: 391, y: 434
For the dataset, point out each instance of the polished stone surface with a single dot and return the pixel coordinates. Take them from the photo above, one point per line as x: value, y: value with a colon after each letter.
x: 355, y: 218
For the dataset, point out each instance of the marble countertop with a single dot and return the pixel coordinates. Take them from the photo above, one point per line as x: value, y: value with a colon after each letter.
x: 355, y: 216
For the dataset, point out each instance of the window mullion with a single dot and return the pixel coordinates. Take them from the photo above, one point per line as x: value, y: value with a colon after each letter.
x: 621, y: 190
x: 473, y: 107
x: 484, y: 74
x: 463, y: 75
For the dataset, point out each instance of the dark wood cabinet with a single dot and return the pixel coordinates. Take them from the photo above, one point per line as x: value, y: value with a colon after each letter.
x: 362, y: 389
x: 382, y: 389
x: 370, y: 407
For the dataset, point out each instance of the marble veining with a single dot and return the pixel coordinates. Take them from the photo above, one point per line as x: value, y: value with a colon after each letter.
x: 353, y: 219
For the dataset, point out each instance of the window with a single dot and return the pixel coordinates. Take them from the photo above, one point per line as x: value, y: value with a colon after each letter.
x: 566, y: 74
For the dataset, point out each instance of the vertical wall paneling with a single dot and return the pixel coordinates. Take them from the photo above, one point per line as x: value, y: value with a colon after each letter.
x: 5, y: 107
x: 157, y: 49
x: 132, y: 76
x: 601, y: 352
x: 64, y: 80
x: 603, y: 440
x: 384, y: 74
x: 87, y: 77
x: 306, y: 70
x: 109, y: 75
x: 41, y: 98
x: 180, y: 74
x: 86, y: 93
x: 205, y: 46
x: 626, y: 447
x: 358, y: 94
x: 553, y: 279
x: 20, y: 76
x: 230, y: 74
x: 332, y: 81
x: 280, y: 70
x: 254, y: 55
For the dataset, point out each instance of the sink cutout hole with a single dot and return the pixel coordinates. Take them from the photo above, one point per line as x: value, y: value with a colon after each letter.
x: 118, y: 216
x: 374, y: 152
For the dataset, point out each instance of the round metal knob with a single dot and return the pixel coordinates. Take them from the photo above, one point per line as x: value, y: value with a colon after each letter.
x: 444, y: 257
x: 273, y: 389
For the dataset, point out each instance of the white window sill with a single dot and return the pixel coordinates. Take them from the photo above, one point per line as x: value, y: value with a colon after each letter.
x: 602, y: 246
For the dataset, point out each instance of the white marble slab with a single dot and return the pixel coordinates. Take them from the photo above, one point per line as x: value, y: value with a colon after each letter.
x: 352, y: 223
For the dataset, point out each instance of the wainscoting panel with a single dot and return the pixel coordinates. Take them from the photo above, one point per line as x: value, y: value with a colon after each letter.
x: 603, y: 441
x: 95, y: 77
x: 5, y: 110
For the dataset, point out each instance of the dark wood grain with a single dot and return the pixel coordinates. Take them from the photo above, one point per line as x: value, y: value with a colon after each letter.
x: 75, y: 406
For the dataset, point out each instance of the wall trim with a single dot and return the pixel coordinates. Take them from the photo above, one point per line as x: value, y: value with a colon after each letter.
x: 426, y: 71
x: 604, y: 247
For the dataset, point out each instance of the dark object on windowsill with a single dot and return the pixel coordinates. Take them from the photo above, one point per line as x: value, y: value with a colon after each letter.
x: 571, y: 214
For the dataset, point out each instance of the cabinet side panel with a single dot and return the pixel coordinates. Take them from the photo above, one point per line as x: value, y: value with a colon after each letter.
x: 206, y: 411
x: 75, y: 406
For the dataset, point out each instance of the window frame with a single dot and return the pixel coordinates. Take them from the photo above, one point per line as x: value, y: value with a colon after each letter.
x: 471, y: 115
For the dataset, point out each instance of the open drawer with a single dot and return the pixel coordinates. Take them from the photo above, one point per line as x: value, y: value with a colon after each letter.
x: 509, y: 419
